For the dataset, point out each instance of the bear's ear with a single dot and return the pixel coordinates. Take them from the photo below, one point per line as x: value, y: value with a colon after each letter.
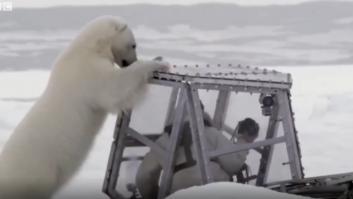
x: 120, y: 28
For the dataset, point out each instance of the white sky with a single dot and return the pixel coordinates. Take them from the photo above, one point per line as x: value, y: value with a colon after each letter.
x: 49, y: 3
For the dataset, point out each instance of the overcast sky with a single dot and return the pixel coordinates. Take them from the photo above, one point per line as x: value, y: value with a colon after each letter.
x: 48, y: 3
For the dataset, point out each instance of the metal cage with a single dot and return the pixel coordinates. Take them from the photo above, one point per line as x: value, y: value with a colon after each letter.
x: 186, y: 81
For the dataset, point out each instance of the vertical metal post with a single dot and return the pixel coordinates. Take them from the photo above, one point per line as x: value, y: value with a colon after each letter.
x: 116, y: 153
x: 289, y: 132
x: 266, y: 155
x: 172, y: 105
x: 221, y: 108
x: 167, y: 175
x: 197, y: 130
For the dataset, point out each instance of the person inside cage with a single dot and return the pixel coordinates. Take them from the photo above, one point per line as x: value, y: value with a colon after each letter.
x: 186, y: 172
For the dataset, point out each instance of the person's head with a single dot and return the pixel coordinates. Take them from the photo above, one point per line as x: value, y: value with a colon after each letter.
x: 248, y: 130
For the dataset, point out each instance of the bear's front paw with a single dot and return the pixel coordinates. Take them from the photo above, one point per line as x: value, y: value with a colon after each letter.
x: 162, y: 66
x: 150, y: 66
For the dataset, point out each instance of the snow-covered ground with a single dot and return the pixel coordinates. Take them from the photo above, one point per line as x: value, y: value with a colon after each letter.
x: 322, y: 100
x: 226, y: 190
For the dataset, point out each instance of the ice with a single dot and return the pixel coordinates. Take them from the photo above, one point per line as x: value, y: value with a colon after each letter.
x: 226, y: 190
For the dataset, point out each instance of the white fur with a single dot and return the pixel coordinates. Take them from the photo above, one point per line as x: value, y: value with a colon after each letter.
x: 54, y: 138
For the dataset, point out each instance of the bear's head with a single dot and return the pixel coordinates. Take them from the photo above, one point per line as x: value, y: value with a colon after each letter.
x: 110, y: 37
x: 124, y: 46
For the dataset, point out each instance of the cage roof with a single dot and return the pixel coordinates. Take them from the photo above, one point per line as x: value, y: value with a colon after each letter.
x: 227, y: 74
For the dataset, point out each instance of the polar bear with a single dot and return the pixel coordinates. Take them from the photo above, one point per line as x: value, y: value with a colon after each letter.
x: 52, y: 141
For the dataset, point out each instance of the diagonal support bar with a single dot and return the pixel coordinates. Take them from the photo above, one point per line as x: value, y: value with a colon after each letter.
x: 291, y: 139
x: 172, y: 105
x: 266, y: 156
x: 197, y: 130
x: 221, y: 109
x: 167, y: 175
x: 116, y: 154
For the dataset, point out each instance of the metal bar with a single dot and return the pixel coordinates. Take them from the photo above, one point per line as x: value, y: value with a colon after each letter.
x: 197, y: 131
x: 167, y: 175
x: 266, y: 156
x: 117, y: 158
x: 113, y: 148
x: 111, y: 155
x: 291, y: 141
x: 131, y: 142
x: 133, y: 158
x: 221, y: 109
x: 295, y: 132
x: 243, y: 147
x: 107, y: 178
x: 155, y: 148
x: 167, y: 78
x: 319, y: 179
x: 186, y: 77
x: 171, y: 106
x: 164, y: 82
x: 259, y: 88
x: 241, y: 88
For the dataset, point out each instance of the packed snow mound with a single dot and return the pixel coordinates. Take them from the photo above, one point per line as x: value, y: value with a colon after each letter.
x: 228, y: 190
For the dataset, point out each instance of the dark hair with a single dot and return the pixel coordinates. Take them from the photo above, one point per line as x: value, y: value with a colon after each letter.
x: 248, y: 126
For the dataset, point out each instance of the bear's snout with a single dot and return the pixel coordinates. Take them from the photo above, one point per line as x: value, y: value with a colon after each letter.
x: 125, y: 63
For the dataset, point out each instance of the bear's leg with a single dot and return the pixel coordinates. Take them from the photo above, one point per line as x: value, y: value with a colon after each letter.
x: 123, y: 87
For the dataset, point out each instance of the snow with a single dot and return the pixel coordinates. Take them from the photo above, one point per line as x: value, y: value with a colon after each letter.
x: 184, y: 31
x: 322, y: 101
x: 321, y: 98
x: 227, y: 190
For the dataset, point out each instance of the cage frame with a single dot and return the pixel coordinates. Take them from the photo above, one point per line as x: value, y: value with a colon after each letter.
x: 185, y: 98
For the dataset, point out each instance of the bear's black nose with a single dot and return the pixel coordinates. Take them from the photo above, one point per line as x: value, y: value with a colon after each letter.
x: 125, y: 63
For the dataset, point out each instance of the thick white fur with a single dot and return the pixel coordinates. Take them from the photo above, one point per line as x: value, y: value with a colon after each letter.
x: 54, y: 138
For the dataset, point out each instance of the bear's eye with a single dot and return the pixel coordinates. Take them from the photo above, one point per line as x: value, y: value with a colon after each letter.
x: 134, y: 46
